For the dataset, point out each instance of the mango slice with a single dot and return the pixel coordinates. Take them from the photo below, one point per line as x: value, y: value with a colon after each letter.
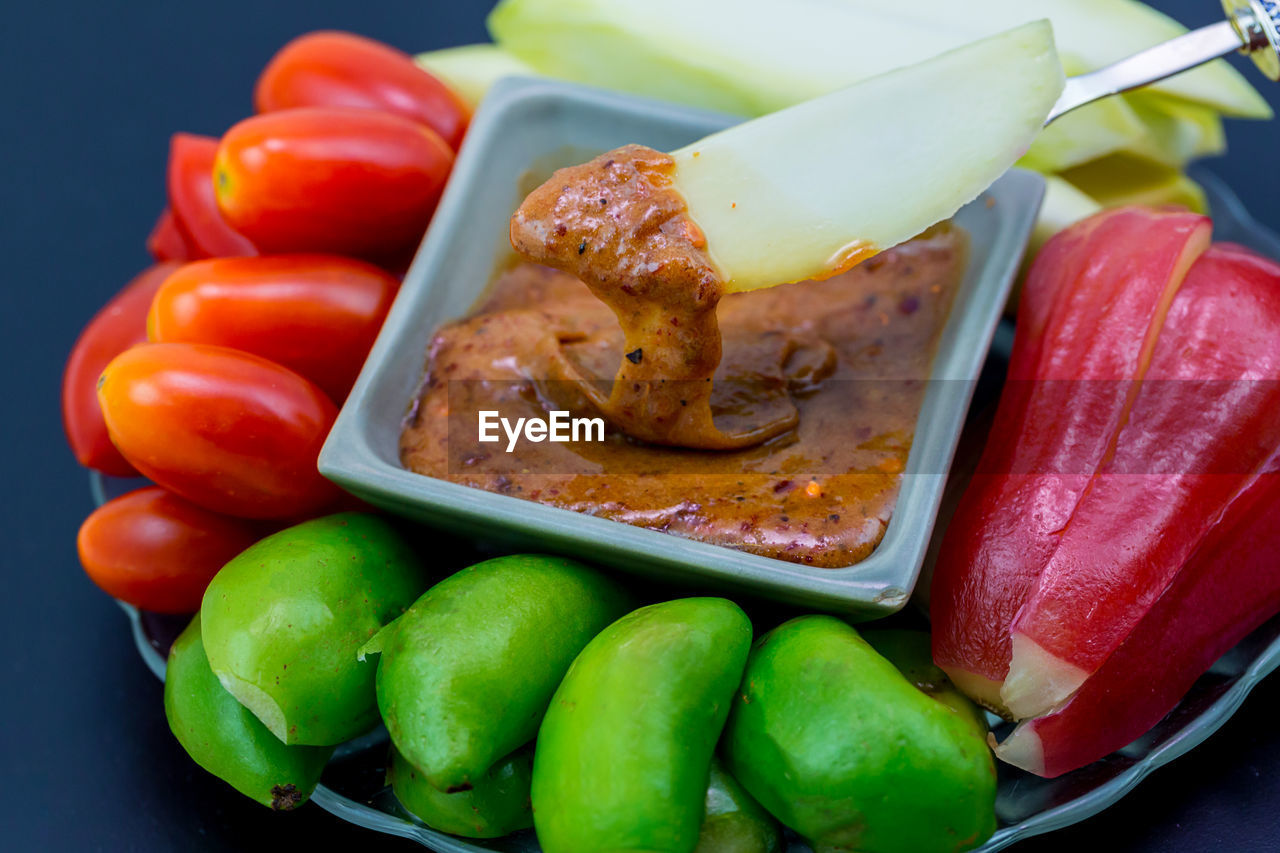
x: 470, y: 69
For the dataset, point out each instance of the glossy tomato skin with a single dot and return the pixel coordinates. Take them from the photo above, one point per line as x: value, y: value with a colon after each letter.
x: 315, y: 314
x: 192, y: 200
x: 230, y: 431
x: 166, y: 242
x: 120, y: 324
x: 327, y: 179
x: 158, y: 551
x: 336, y: 69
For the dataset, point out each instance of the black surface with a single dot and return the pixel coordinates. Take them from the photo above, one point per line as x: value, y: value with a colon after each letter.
x: 92, y: 92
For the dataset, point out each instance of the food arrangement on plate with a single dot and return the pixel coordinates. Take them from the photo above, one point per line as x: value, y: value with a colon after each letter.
x: 727, y: 369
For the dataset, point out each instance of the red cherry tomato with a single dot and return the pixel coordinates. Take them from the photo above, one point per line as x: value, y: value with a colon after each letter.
x: 120, y: 324
x: 165, y: 242
x: 230, y: 431
x: 191, y: 198
x: 335, y: 69
x: 157, y: 551
x: 338, y: 180
x: 315, y: 314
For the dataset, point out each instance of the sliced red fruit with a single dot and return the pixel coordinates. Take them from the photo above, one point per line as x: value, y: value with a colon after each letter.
x: 194, y: 205
x: 1095, y: 301
x: 1204, y: 421
x: 1228, y: 588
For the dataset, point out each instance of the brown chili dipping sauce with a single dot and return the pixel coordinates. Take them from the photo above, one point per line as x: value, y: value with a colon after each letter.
x: 776, y: 422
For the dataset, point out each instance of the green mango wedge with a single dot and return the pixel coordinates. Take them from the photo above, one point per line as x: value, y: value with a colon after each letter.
x: 497, y: 803
x: 284, y: 619
x: 466, y: 674
x: 837, y: 744
x: 734, y: 822
x: 225, y: 738
x: 624, y: 753
x: 912, y: 653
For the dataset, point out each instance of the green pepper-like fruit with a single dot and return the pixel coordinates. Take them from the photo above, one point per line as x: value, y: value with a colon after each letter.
x: 225, y: 738
x: 912, y: 653
x: 734, y: 822
x: 284, y: 619
x: 466, y: 673
x: 624, y: 753
x: 496, y: 804
x: 838, y: 745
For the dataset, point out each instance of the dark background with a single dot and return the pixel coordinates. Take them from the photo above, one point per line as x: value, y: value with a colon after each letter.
x: 92, y: 92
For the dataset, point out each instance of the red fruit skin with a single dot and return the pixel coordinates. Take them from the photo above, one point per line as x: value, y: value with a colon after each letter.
x: 1203, y: 422
x: 1228, y: 584
x: 1231, y: 580
x: 317, y: 315
x: 165, y: 242
x: 227, y: 430
x: 157, y: 551
x: 202, y: 227
x: 1093, y: 305
x: 336, y: 69
x: 120, y: 324
x: 334, y: 180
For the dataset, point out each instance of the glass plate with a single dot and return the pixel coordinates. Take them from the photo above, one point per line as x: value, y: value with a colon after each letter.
x: 354, y: 788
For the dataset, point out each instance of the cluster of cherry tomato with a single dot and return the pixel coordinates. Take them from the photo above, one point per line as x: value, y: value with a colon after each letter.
x: 217, y: 372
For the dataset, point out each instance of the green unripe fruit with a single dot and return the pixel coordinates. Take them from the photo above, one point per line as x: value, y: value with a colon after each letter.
x: 735, y: 823
x: 283, y: 622
x: 624, y: 753
x: 831, y: 738
x: 911, y: 652
x: 496, y: 804
x: 466, y: 674
x: 225, y: 738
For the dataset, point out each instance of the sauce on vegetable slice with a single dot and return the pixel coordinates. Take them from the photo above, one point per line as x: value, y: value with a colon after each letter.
x: 852, y: 354
x: 617, y: 224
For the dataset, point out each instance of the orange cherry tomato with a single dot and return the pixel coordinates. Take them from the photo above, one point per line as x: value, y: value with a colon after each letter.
x: 157, y: 551
x: 191, y: 198
x: 120, y: 324
x: 327, y: 179
x: 315, y: 314
x: 165, y: 242
x: 335, y: 69
x: 225, y: 429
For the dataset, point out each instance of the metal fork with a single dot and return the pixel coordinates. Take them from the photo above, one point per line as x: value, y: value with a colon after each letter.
x: 1252, y: 27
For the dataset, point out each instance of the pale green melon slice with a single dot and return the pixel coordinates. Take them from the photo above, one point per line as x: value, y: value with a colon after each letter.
x: 1094, y: 33
x: 470, y: 69
x: 812, y: 189
x: 1092, y: 131
x: 1064, y: 205
x: 751, y: 57
x: 1121, y: 180
x: 1177, y: 131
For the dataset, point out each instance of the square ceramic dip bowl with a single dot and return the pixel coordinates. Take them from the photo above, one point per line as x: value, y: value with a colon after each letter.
x: 525, y: 129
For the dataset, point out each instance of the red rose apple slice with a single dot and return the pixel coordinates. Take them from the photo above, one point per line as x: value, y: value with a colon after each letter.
x: 1095, y: 302
x: 1203, y: 423
x: 1227, y: 590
